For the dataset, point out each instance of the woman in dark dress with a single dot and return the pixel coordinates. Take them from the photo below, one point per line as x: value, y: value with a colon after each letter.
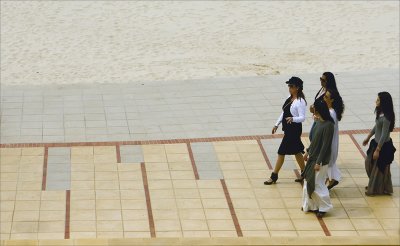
x: 292, y: 116
x: 381, y: 151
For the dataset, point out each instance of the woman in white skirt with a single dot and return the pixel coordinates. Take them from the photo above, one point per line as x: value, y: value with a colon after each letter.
x: 336, y: 107
x: 315, y: 193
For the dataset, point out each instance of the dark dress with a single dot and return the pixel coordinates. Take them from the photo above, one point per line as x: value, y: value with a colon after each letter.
x: 321, y: 97
x: 291, y: 143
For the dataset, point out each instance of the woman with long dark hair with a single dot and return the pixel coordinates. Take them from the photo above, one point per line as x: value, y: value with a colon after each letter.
x: 335, y: 104
x: 381, y: 151
x: 292, y: 116
x: 328, y: 82
x: 315, y: 193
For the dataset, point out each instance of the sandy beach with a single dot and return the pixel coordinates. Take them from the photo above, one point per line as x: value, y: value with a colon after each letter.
x: 66, y: 42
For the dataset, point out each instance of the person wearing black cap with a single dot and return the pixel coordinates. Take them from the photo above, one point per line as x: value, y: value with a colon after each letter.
x: 292, y: 116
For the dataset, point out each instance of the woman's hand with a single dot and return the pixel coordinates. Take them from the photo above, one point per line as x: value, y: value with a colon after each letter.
x: 376, y: 154
x: 317, y: 167
x: 305, y: 156
x: 289, y: 120
x: 274, y: 129
x: 312, y: 108
x: 365, y: 142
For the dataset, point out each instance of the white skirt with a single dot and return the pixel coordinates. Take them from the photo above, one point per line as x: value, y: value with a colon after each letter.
x: 320, y: 199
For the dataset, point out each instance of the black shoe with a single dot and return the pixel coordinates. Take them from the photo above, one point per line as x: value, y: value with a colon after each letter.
x: 333, y: 184
x: 272, y: 179
x: 299, y: 180
x: 320, y: 214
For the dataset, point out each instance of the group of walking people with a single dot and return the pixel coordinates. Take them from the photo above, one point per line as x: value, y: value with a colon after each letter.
x: 320, y: 173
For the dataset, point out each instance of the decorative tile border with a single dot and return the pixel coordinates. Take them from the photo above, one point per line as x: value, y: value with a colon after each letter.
x: 264, y: 154
x: 148, y: 201
x: 171, y: 141
x: 196, y: 174
x: 358, y: 146
x: 45, y: 159
x: 231, y: 209
x: 67, y: 214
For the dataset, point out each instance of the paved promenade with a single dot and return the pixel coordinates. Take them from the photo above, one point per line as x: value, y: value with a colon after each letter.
x: 181, y: 163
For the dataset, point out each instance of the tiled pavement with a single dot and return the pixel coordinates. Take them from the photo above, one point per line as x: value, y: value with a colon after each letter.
x: 203, y: 187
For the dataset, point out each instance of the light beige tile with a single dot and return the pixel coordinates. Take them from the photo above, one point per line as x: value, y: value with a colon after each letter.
x: 5, y: 227
x: 6, y: 216
x: 85, y: 166
x: 249, y: 214
x: 26, y: 216
x: 132, y: 194
x: 210, y: 184
x: 386, y: 213
x: 373, y: 233
x: 212, y: 193
x: 214, y: 203
x: 7, y: 206
x: 130, y: 175
x: 114, y: 226
x: 252, y: 225
x: 162, y: 194
x: 283, y: 233
x: 275, y: 213
x: 344, y: 233
x: 136, y: 225
x: 56, y: 215
x: 38, y: 151
x: 108, y: 234
x: 24, y: 236
x: 157, y: 166
x: 134, y: 204
x: 108, y: 204
x: 106, y: 176
x: 134, y: 214
x: 82, y: 204
x: 231, y: 165
x: 9, y: 177
x: 108, y: 215
x: 334, y: 224
x: 104, y: 150
x: 29, y: 185
x: 189, y: 203
x: 173, y: 234
x: 186, y: 193
x: 137, y: 234
x: 358, y: 213
x: 184, y: 184
x: 192, y: 214
x: 311, y: 233
x: 175, y: 157
x: 192, y: 225
x: 83, y: 195
x: 165, y: 214
x: 82, y: 185
x: 52, y: 235
x: 219, y: 213
x: 10, y: 152
x: 82, y: 176
x: 279, y: 224
x: 176, y: 148
x: 82, y: 150
x: 31, y: 176
x: 52, y: 205
x: 107, y: 195
x: 25, y: 227
x: 26, y: 205
x: 245, y: 203
x: 307, y: 225
x: 225, y: 157
x: 28, y: 195
x: 219, y: 225
x: 131, y: 184
x: 10, y: 160
x: 76, y: 235
x: 83, y: 214
x: 390, y: 224
x: 241, y: 193
x: 223, y: 233
x: 251, y: 157
x: 83, y: 226
x: 166, y: 225
x: 264, y: 233
x: 106, y: 166
x: 107, y: 185
x: 180, y: 166
x: 180, y: 174
x: 197, y: 234
x: 160, y: 184
x: 31, y: 160
x: 163, y: 204
x: 51, y: 226
x: 48, y: 195
x: 366, y: 224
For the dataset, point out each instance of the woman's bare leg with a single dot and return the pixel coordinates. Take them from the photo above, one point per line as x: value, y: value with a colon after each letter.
x: 300, y: 161
x: 279, y: 163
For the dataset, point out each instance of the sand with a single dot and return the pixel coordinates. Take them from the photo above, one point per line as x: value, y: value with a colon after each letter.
x: 66, y: 42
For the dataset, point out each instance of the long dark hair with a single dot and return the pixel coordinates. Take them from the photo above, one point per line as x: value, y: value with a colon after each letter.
x: 300, y: 94
x: 337, y: 103
x: 323, y: 110
x: 386, y: 108
x: 330, y: 81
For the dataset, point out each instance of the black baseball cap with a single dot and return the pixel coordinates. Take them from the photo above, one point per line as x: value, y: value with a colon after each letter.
x: 295, y: 81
